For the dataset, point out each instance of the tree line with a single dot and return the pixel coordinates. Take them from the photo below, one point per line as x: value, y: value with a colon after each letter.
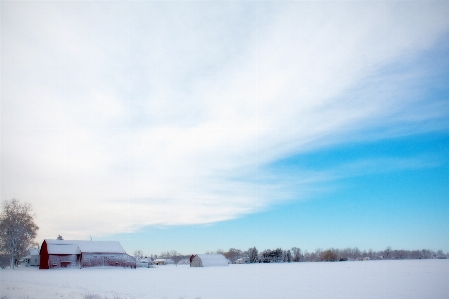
x: 296, y: 254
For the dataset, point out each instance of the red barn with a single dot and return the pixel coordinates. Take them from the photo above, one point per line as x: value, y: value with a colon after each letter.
x: 79, y: 254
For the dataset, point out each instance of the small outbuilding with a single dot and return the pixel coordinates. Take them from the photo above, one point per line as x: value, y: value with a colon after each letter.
x: 160, y: 262
x: 208, y: 260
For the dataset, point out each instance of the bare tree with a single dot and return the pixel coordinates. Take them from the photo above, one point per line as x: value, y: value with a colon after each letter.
x: 138, y: 254
x: 233, y: 254
x: 296, y: 254
x: 328, y: 256
x: 175, y: 256
x: 17, y: 229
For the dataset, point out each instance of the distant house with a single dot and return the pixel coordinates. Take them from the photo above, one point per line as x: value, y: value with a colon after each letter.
x: 32, y: 259
x: 81, y: 254
x: 241, y: 261
x: 160, y: 262
x: 366, y: 258
x: 208, y: 260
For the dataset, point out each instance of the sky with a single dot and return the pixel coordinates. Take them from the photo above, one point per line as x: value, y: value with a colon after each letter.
x: 196, y: 126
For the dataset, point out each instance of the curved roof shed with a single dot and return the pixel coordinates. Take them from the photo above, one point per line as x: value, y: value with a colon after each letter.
x: 209, y: 260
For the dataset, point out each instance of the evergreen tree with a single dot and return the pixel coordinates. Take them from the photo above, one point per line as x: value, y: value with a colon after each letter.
x: 253, y: 255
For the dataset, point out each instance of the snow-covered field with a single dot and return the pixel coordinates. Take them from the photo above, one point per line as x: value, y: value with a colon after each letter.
x: 371, y: 279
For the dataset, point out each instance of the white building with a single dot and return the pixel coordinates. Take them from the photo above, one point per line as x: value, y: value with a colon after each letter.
x: 208, y: 260
x: 32, y: 259
x: 144, y: 262
x: 159, y: 262
x: 241, y: 261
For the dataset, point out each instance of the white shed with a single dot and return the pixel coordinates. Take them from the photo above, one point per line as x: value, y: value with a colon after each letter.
x: 145, y: 262
x: 160, y: 262
x: 208, y: 260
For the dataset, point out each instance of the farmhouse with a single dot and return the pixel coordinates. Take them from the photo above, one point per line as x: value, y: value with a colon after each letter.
x: 144, y: 262
x: 32, y: 259
x: 80, y: 254
x: 241, y: 261
x: 208, y: 260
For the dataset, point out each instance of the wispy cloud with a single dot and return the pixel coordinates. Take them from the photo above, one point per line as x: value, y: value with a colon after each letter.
x: 121, y: 115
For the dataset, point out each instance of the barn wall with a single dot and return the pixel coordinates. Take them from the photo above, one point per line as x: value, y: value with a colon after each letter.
x: 44, y: 257
x: 63, y: 261
x: 107, y: 260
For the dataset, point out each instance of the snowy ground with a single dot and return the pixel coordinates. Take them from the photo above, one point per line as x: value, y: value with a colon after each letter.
x: 371, y: 279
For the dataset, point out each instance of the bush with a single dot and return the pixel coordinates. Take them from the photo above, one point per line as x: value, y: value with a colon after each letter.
x: 328, y: 256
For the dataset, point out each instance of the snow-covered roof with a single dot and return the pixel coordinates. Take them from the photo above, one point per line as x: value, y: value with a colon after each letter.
x: 209, y: 260
x: 34, y: 251
x: 101, y: 246
x: 160, y: 260
x: 63, y: 249
x: 89, y: 246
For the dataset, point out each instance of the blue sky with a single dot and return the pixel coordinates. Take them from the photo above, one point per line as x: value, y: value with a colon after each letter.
x: 402, y: 206
x: 197, y: 126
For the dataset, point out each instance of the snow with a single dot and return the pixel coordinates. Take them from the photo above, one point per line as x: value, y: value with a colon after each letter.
x: 90, y: 246
x: 101, y: 246
x: 63, y: 249
x: 411, y: 279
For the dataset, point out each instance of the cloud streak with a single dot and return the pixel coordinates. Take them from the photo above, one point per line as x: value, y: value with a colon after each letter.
x: 121, y: 115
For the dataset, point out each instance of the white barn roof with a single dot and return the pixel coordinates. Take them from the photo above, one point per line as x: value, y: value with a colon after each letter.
x: 101, y: 246
x: 83, y: 246
x: 211, y: 260
x: 63, y: 249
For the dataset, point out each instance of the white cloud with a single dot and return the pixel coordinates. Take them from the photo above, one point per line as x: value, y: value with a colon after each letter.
x: 120, y: 115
